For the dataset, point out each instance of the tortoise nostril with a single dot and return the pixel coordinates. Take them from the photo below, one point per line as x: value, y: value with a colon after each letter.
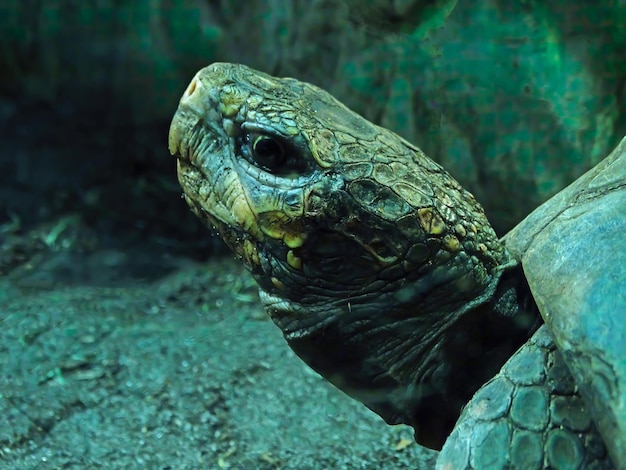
x: 193, y: 97
x: 191, y: 88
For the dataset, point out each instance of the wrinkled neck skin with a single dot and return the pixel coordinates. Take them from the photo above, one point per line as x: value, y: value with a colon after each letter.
x: 411, y: 351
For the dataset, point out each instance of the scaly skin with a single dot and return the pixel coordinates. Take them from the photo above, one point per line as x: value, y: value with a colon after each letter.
x: 383, y: 273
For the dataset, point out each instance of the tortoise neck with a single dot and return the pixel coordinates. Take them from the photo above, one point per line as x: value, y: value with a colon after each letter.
x: 473, y: 350
x: 416, y: 376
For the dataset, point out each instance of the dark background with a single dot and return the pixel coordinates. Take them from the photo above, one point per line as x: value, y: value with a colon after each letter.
x: 516, y: 101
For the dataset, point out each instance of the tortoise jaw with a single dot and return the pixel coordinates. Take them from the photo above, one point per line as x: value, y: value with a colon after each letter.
x: 200, y: 142
x: 189, y: 113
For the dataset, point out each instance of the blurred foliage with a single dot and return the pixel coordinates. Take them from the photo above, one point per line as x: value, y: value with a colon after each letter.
x: 516, y: 99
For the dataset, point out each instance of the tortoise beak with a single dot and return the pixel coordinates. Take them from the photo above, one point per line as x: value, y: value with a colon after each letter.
x: 190, y: 111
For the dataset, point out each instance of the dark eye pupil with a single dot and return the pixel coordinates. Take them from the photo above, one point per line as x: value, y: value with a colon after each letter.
x: 268, y: 152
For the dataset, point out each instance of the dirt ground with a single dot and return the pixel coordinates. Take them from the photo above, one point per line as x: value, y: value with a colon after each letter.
x: 136, y: 358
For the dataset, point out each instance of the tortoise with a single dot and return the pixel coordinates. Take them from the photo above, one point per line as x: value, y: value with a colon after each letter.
x: 386, y: 277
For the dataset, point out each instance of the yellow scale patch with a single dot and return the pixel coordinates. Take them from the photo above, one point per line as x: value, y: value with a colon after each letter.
x: 431, y: 221
x: 275, y: 225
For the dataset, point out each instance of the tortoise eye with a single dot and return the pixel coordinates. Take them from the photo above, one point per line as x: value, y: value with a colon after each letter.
x: 267, y: 152
x: 274, y: 154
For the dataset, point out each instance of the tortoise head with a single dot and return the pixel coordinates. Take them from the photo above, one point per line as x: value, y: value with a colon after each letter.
x: 366, y: 252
